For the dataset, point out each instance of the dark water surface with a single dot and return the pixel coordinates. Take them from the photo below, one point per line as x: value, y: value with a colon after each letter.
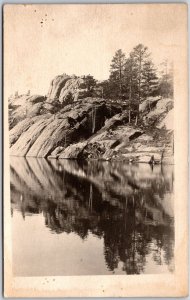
x: 90, y: 218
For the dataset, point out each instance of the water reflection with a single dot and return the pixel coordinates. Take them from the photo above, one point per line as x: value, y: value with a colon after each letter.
x: 124, y: 211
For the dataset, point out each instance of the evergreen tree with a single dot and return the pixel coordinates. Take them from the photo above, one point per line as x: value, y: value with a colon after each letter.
x: 108, y: 89
x: 149, y: 80
x: 90, y: 82
x: 140, y: 56
x: 130, y: 80
x: 136, y: 79
x: 117, y: 69
x: 165, y: 88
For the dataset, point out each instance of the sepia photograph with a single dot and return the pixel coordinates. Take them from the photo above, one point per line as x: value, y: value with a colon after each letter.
x: 93, y: 149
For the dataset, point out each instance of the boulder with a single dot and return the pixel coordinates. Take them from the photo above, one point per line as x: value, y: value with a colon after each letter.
x: 56, y: 86
x: 159, y: 112
x: 143, y: 157
x: 168, y: 121
x: 149, y: 103
x: 56, y: 152
x: 67, y: 89
x: 73, y: 151
x: 72, y: 87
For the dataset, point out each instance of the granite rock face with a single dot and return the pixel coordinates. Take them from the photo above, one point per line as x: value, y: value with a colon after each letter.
x: 56, y: 86
x: 40, y: 136
x: 118, y: 140
x: 66, y: 124
x: 22, y: 107
x: 67, y: 89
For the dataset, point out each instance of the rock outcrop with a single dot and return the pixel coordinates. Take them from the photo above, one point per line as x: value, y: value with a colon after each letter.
x: 67, y: 124
x: 39, y: 137
x: 118, y: 140
x: 22, y: 107
x: 56, y: 86
x: 66, y: 89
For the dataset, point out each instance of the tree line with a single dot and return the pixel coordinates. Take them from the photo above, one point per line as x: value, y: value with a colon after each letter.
x: 135, y: 78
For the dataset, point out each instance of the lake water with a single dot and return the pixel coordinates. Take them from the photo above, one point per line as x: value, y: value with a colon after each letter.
x: 91, y: 218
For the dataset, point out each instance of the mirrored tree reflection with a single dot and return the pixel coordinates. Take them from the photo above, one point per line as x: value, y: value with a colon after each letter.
x: 130, y: 207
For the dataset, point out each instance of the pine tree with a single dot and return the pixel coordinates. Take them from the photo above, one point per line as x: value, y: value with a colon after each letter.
x: 130, y: 80
x: 90, y: 82
x: 166, y: 80
x: 117, y: 69
x: 149, y: 80
x: 140, y: 55
x: 108, y: 89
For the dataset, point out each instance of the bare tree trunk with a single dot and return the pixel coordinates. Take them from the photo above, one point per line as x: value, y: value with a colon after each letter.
x: 148, y: 94
x: 139, y: 88
x: 120, y: 80
x: 130, y: 103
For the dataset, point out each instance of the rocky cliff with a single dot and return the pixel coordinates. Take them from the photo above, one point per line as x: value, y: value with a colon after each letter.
x: 63, y: 86
x: 68, y: 124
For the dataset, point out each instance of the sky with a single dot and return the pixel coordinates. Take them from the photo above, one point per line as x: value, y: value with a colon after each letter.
x: 81, y: 39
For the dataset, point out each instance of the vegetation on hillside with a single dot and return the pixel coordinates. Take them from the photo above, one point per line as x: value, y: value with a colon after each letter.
x: 135, y: 78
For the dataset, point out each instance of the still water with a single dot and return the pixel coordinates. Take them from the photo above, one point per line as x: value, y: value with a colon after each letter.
x: 91, y: 218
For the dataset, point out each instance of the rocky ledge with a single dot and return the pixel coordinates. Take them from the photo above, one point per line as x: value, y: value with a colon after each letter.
x: 89, y: 127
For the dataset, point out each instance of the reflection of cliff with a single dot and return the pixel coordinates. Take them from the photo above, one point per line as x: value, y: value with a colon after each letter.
x: 130, y: 207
